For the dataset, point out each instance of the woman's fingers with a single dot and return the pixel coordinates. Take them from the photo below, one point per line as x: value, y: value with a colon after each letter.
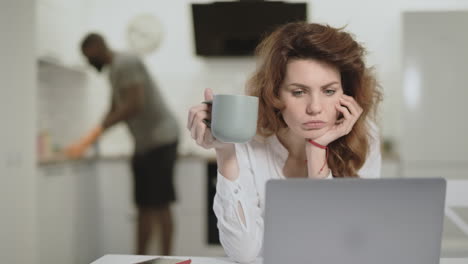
x: 344, y: 110
x: 351, y: 112
x: 200, y: 134
x: 208, y: 138
x: 351, y: 104
x: 197, y: 122
x: 193, y: 112
x: 208, y: 94
x: 349, y: 107
x: 199, y: 130
x: 347, y: 123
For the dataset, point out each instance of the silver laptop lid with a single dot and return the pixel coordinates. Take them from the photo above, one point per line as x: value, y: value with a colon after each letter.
x: 354, y: 221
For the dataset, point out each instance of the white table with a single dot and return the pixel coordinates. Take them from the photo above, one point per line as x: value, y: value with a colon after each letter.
x: 130, y: 259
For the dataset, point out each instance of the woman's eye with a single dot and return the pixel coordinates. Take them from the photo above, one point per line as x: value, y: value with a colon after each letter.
x: 330, y: 92
x: 297, y: 93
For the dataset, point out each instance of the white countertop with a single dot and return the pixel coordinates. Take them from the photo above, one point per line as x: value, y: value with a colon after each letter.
x: 131, y: 259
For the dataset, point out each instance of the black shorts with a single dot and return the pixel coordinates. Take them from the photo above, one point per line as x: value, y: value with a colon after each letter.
x: 153, y: 173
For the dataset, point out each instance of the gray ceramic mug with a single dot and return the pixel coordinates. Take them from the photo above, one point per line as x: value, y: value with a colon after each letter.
x: 233, y: 117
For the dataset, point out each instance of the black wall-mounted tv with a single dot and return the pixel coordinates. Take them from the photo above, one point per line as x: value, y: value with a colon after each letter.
x: 235, y: 28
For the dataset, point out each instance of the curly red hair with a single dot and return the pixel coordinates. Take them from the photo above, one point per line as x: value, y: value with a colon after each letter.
x: 301, y: 40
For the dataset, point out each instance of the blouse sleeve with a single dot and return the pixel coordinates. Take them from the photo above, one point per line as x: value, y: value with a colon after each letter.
x: 241, y: 242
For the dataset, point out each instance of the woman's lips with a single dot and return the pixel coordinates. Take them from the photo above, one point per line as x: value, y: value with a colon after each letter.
x: 314, y: 125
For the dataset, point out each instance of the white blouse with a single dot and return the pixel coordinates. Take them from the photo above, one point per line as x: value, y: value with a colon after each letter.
x: 259, y: 161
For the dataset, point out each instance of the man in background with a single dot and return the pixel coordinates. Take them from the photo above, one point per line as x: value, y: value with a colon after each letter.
x: 137, y: 101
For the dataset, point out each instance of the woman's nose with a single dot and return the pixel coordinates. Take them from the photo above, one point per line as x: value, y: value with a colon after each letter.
x: 314, y: 106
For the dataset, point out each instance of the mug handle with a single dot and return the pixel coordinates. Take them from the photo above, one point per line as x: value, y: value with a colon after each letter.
x: 206, y: 121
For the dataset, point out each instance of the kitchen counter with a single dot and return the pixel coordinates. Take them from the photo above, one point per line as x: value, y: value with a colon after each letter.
x: 60, y: 159
x: 63, y: 159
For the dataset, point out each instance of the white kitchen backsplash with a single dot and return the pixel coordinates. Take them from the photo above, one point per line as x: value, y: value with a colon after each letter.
x: 70, y: 102
x: 61, y: 105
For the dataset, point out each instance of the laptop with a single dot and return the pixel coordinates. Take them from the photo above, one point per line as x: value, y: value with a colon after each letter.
x: 354, y: 221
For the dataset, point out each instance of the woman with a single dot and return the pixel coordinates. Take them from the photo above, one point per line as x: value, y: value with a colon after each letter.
x: 316, y: 103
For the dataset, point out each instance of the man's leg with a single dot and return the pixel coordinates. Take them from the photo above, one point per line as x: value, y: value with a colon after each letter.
x: 167, y: 228
x: 145, y: 224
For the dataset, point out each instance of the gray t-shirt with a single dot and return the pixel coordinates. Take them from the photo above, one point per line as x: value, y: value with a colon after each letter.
x: 154, y: 125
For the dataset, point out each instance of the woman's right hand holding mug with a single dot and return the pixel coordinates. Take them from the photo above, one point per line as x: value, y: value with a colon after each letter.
x: 198, y: 118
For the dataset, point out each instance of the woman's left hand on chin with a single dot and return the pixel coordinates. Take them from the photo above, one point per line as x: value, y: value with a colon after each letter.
x: 351, y: 112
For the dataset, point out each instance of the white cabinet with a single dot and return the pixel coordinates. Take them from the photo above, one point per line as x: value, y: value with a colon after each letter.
x: 116, y: 211
x: 191, y: 237
x: 86, y: 224
x: 67, y: 213
x: 55, y: 214
x: 86, y: 210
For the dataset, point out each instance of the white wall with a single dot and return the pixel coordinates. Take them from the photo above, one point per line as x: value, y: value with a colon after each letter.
x: 17, y: 132
x: 59, y: 26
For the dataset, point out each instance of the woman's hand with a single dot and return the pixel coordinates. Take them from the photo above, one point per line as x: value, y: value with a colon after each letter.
x: 351, y: 112
x: 199, y: 116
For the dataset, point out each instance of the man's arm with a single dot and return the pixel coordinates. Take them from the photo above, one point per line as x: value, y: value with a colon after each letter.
x: 132, y: 104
